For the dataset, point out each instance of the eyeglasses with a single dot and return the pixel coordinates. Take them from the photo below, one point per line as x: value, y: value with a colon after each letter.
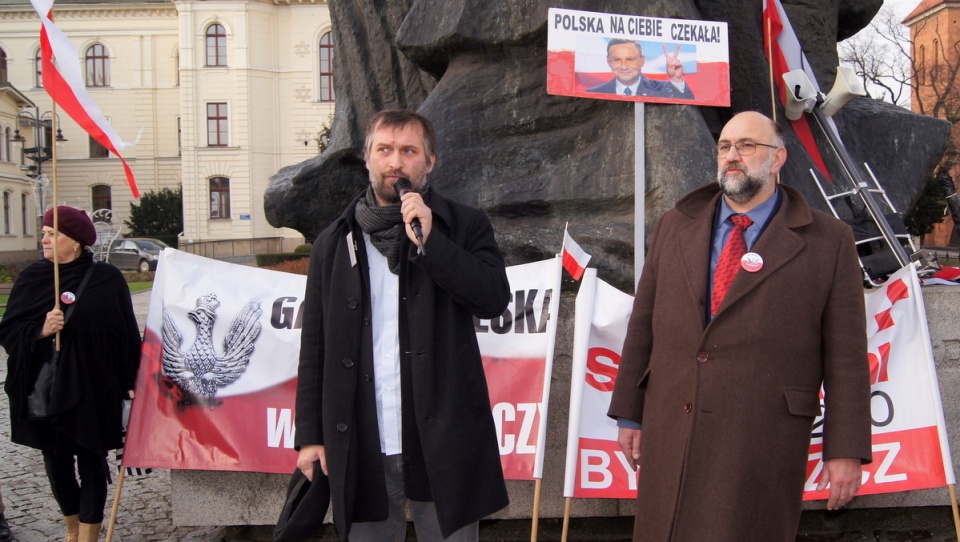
x: 744, y: 148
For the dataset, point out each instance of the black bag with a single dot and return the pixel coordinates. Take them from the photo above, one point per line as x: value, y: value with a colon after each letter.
x: 43, y: 402
x: 305, y: 507
x: 38, y: 402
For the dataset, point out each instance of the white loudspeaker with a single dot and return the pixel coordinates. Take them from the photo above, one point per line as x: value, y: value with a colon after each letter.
x: 845, y: 87
x: 801, y: 94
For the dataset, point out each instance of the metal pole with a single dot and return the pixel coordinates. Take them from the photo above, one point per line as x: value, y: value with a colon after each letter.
x: 861, y: 189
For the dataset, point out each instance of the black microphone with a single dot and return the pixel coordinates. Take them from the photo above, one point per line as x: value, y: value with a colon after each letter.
x: 402, y: 186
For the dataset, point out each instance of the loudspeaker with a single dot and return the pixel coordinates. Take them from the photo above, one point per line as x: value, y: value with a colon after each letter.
x: 845, y: 87
x: 801, y: 94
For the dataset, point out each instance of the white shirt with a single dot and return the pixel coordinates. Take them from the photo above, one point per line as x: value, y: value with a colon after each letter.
x: 385, y: 320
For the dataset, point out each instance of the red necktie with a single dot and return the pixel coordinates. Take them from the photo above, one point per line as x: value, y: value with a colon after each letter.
x: 729, y: 262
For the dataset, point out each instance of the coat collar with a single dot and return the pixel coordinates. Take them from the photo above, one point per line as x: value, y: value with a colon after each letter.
x: 777, y: 245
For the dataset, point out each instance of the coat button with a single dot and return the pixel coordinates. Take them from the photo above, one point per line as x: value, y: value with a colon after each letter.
x: 366, y: 321
x: 342, y: 427
x: 688, y: 407
x: 348, y: 363
x: 367, y: 378
x: 702, y: 357
x: 352, y: 304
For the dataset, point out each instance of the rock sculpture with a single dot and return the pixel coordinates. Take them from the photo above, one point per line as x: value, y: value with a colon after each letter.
x: 534, y: 161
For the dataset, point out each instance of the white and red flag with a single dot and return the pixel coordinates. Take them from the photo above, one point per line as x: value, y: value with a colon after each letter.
x: 780, y: 40
x: 595, y: 466
x: 63, y: 81
x: 910, y: 447
x: 575, y: 259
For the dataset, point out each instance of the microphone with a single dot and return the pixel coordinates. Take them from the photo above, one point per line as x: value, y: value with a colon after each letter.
x: 402, y: 186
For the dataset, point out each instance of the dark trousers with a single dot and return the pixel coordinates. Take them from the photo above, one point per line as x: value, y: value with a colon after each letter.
x: 86, y: 497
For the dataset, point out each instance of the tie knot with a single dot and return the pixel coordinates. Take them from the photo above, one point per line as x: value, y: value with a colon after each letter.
x: 627, y: 92
x: 743, y: 221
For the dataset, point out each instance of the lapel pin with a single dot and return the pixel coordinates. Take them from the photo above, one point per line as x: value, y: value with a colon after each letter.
x: 68, y: 297
x: 751, y: 262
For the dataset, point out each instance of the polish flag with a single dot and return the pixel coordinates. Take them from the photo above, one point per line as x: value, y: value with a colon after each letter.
x: 788, y: 56
x: 574, y: 258
x: 63, y: 81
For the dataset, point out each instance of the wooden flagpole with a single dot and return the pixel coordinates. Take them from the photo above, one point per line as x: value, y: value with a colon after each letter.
x: 566, y: 520
x: 56, y: 221
x: 116, y: 503
x: 953, y: 505
x: 535, y: 520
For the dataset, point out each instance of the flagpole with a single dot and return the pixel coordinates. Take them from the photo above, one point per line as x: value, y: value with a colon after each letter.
x: 953, y: 505
x: 535, y: 520
x: 116, y: 503
x: 566, y: 520
x: 56, y: 218
x: 773, y: 89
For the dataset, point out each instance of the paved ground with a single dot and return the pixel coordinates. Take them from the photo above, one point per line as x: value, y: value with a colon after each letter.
x: 145, y: 510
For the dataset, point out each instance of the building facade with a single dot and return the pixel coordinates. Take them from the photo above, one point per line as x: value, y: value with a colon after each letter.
x: 935, y: 67
x: 217, y: 95
x: 18, y: 213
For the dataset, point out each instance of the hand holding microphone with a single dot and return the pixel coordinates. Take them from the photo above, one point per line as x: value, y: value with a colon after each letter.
x: 402, y: 186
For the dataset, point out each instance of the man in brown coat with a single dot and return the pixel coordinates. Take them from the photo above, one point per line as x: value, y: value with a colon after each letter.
x: 725, y: 393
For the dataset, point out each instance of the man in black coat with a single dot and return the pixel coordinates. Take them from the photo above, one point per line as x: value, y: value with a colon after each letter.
x: 391, y: 397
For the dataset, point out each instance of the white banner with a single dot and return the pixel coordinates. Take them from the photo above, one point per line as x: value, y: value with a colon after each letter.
x: 217, y: 382
x: 595, y: 466
x: 910, y: 447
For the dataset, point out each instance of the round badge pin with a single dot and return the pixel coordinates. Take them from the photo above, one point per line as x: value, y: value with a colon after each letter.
x: 68, y: 297
x: 752, y: 262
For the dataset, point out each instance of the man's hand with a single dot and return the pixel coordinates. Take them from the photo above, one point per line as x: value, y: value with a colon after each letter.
x: 674, y: 66
x: 844, y: 476
x: 629, y: 440
x: 309, y: 454
x: 412, y: 206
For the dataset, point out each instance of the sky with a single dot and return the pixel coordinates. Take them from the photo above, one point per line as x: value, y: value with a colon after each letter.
x: 902, y: 7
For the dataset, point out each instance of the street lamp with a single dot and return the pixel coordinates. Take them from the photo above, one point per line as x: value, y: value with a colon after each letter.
x: 39, y: 152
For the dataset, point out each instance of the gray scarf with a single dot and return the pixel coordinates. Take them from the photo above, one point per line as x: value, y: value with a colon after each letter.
x: 384, y: 225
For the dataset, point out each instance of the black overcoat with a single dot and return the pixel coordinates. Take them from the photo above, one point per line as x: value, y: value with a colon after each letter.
x: 450, y: 451
x: 99, y: 353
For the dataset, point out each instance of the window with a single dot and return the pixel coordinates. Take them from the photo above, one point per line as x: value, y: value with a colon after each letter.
x: 6, y: 213
x: 24, y: 213
x: 219, y: 197
x: 39, y: 62
x: 98, y: 66
x: 326, y: 67
x: 216, y: 45
x: 100, y: 197
x: 217, y: 125
x: 179, y: 138
x: 3, y: 66
x: 97, y: 150
x: 6, y: 151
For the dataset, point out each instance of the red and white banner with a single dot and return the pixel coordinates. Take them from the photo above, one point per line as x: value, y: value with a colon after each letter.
x: 910, y: 448
x: 577, y: 56
x: 196, y: 307
x: 220, y: 395
x: 517, y: 351
x: 63, y: 81
x: 781, y: 41
x: 595, y: 466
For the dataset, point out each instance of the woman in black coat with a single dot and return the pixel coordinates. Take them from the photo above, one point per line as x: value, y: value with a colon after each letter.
x: 99, y: 355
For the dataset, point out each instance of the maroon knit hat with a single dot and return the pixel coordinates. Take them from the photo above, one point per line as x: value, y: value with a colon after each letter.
x: 73, y: 223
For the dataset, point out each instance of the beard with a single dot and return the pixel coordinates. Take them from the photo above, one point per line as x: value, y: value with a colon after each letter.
x: 385, y: 191
x: 743, y: 190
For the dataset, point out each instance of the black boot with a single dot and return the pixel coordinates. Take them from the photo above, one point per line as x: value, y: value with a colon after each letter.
x: 5, y: 533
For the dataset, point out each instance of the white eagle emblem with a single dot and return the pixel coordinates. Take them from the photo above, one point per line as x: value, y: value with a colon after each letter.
x: 201, y: 371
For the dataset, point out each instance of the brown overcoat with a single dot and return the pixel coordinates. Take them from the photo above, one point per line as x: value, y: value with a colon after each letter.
x: 727, y: 406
